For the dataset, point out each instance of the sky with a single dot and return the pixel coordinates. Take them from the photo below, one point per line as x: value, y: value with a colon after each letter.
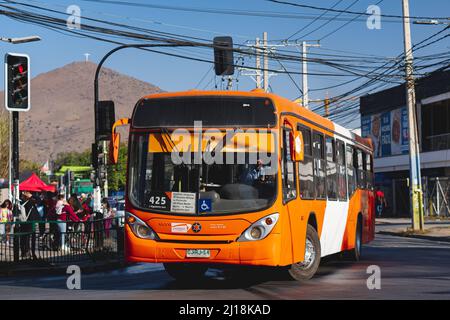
x: 175, y: 74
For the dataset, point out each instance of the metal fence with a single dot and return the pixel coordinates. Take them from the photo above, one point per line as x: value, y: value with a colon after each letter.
x: 437, y: 196
x: 57, y: 242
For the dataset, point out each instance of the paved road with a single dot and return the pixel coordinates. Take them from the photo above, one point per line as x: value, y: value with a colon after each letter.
x: 410, y: 269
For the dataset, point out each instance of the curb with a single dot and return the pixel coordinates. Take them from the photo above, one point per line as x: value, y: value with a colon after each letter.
x: 416, y: 236
x: 61, y: 269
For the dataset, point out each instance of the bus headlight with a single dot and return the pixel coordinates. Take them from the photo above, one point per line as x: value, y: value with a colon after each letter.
x: 140, y: 228
x: 260, y: 229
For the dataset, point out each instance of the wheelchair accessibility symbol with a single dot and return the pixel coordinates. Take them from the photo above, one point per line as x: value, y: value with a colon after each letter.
x: 204, y: 205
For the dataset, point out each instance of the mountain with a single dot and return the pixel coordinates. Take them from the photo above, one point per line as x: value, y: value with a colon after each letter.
x: 62, y: 108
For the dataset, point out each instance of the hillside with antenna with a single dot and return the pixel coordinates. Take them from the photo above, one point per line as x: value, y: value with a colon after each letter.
x: 61, y: 118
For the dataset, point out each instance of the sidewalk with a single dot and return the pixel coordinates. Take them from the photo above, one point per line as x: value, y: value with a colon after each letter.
x: 434, y: 229
x: 27, y: 269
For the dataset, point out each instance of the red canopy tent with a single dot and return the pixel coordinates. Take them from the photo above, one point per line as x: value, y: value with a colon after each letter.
x: 35, y: 184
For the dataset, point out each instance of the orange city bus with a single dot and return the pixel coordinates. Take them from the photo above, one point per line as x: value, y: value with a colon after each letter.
x: 242, y: 178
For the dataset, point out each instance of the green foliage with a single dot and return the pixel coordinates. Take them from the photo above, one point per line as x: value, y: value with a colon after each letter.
x: 4, y: 144
x: 73, y: 158
x: 117, y: 173
x: 29, y: 166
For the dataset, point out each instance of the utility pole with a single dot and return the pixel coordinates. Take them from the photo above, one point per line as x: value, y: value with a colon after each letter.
x: 260, y: 48
x: 305, y: 72
x: 266, y: 63
x: 327, y: 106
x: 258, y: 64
x: 415, y: 181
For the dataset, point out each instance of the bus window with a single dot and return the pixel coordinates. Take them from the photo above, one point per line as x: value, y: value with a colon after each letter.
x: 351, y: 171
x: 155, y: 178
x: 368, y: 171
x: 319, y: 165
x: 305, y: 167
x: 288, y: 169
x: 340, y: 159
x: 359, y: 169
x: 331, y: 169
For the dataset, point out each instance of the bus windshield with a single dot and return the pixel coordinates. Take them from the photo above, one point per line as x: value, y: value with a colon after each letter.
x: 242, y: 182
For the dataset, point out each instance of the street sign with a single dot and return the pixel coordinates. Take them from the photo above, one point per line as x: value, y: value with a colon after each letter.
x: 17, y: 82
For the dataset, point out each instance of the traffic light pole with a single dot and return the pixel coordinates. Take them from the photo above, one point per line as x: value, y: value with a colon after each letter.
x: 15, y: 155
x: 97, y: 194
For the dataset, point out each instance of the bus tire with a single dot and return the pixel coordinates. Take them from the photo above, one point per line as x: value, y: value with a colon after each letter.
x: 355, y: 253
x: 185, y: 272
x: 305, y: 270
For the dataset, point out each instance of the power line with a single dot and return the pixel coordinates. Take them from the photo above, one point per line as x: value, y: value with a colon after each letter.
x: 345, y: 24
x: 354, y: 12
x: 327, y: 22
x: 312, y: 22
x: 56, y: 23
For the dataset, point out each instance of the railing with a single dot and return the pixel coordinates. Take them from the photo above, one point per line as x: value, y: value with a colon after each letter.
x: 437, y: 196
x: 437, y: 142
x: 57, y: 242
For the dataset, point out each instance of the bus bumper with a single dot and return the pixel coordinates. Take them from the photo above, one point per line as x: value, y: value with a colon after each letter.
x: 266, y: 252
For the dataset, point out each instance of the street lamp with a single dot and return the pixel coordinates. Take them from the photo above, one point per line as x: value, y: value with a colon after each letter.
x: 20, y: 39
x: 430, y: 22
x: 14, y: 120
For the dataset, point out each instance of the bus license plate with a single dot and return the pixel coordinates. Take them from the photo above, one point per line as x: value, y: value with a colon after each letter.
x: 198, y: 253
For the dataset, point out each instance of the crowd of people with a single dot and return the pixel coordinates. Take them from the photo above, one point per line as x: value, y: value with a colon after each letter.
x: 54, y: 216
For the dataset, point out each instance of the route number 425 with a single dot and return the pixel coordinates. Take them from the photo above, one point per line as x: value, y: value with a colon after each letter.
x: 156, y: 200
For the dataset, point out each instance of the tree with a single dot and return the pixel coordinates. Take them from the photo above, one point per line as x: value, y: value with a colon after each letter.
x: 30, y: 166
x: 117, y: 174
x: 4, y: 145
x: 73, y: 158
x: 24, y: 165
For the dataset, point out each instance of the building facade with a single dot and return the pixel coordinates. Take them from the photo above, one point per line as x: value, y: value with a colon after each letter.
x: 384, y: 119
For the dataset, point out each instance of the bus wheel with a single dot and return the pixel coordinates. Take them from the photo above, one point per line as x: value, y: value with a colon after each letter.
x: 355, y: 253
x: 185, y: 271
x: 306, y: 269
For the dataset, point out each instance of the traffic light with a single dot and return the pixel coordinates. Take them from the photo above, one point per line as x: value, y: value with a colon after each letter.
x: 94, y: 156
x: 223, y: 56
x: 104, y: 120
x: 17, y: 82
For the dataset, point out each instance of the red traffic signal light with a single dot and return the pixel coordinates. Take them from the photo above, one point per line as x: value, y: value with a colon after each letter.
x: 17, y: 82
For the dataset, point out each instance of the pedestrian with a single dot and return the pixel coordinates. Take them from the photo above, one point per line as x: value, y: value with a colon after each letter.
x: 27, y: 227
x: 61, y: 218
x: 73, y: 210
x: 40, y: 205
x: 108, y: 215
x: 85, y: 217
x: 6, y: 219
x: 380, y: 201
x: 51, y: 218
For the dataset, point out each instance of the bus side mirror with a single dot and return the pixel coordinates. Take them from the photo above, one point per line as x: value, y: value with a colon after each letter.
x: 114, y: 144
x: 298, y: 147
